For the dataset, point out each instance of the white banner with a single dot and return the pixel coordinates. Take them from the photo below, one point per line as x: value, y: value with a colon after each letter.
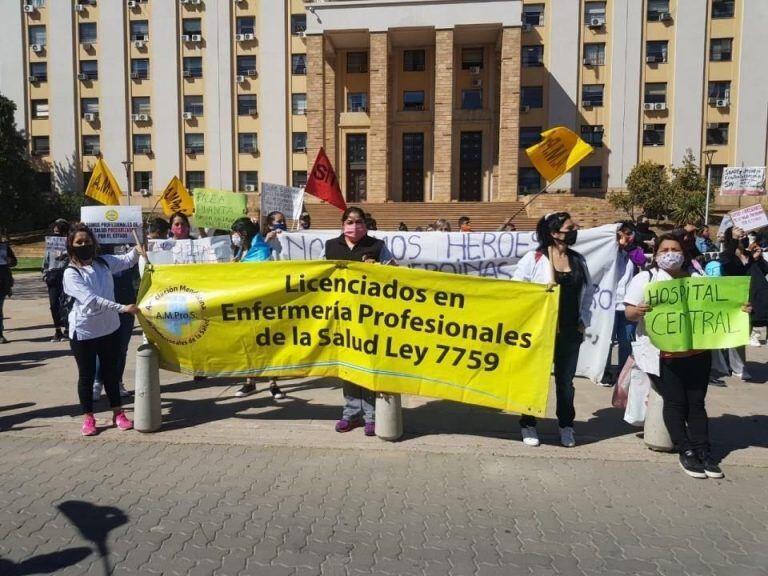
x: 749, y: 218
x: 743, y: 181
x: 193, y: 251
x: 113, y: 224
x: 285, y: 199
x: 494, y: 254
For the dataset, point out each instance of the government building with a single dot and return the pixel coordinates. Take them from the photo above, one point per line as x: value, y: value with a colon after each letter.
x: 413, y: 100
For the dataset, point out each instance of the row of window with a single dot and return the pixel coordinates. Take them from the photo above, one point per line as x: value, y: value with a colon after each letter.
x: 415, y: 100
x: 529, y: 179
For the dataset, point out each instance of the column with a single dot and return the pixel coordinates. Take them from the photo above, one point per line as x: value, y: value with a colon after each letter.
x: 443, y: 129
x: 274, y: 66
x: 509, y: 114
x: 378, y: 136
x: 330, y: 119
x: 752, y: 117
x: 315, y: 97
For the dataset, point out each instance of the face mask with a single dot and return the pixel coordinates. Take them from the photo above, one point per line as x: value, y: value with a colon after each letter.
x: 354, y: 231
x: 237, y: 240
x: 179, y: 230
x: 85, y: 252
x: 642, y: 226
x: 279, y: 226
x: 570, y: 238
x: 670, y: 261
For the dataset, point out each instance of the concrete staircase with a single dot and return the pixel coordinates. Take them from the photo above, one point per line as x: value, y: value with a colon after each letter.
x: 587, y: 211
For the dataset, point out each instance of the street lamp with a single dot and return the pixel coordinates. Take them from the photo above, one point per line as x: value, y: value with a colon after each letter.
x: 128, y: 166
x: 709, y: 154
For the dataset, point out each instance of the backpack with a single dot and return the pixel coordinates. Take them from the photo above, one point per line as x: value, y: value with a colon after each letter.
x: 67, y: 302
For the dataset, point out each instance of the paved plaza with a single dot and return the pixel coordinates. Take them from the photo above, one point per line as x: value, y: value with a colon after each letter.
x: 252, y: 486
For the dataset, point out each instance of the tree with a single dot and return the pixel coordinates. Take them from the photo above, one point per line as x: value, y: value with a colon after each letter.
x: 17, y: 177
x: 688, y: 192
x: 648, y: 188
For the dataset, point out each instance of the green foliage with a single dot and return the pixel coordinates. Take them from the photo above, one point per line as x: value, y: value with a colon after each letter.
x: 622, y: 200
x: 648, y: 188
x: 688, y: 207
x: 17, y: 203
x: 688, y: 177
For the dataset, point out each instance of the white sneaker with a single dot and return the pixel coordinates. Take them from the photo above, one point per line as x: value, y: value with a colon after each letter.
x: 98, y: 387
x: 530, y: 436
x: 755, y: 340
x: 566, y: 437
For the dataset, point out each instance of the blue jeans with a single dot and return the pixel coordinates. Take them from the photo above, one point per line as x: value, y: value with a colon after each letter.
x: 358, y: 401
x: 123, y: 340
x: 624, y: 332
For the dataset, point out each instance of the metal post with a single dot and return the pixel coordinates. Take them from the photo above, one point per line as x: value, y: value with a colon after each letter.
x: 389, y: 416
x: 128, y: 165
x: 709, y: 186
x: 147, y: 410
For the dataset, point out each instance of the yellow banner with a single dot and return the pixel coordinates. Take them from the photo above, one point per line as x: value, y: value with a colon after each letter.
x: 558, y: 152
x: 468, y: 339
x: 102, y: 186
x: 176, y: 198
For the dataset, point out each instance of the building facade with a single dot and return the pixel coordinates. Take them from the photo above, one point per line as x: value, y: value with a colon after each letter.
x: 413, y: 100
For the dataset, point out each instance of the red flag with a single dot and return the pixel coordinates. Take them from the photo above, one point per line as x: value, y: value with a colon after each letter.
x: 323, y: 183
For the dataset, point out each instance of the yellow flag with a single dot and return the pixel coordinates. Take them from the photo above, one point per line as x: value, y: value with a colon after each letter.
x: 175, y: 198
x: 558, y: 152
x: 102, y: 186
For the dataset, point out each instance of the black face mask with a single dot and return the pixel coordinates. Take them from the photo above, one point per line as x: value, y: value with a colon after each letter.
x: 570, y: 238
x: 85, y: 252
x: 642, y: 226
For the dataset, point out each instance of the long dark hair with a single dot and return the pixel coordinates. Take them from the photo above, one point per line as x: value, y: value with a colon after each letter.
x: 80, y: 227
x: 673, y: 236
x: 247, y: 229
x: 546, y: 226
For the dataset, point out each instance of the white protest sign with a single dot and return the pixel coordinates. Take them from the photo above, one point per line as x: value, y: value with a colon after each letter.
x: 743, y: 181
x: 495, y: 254
x: 113, y: 224
x: 749, y: 218
x: 55, y: 247
x: 285, y: 199
x: 192, y: 251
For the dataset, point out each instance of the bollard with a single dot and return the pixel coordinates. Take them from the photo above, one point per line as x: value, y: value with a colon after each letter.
x: 389, y: 416
x: 147, y: 411
x: 656, y: 436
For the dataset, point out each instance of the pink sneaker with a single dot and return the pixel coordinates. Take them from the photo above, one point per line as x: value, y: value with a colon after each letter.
x: 121, y: 421
x: 89, y: 426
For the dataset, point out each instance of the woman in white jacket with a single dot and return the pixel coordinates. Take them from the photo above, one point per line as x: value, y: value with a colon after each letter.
x: 554, y: 262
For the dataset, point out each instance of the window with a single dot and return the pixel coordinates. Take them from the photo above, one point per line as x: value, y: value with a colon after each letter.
x: 592, y: 95
x: 655, y: 92
x: 246, y: 105
x: 533, y: 56
x: 528, y: 180
x: 90, y: 105
x: 357, y: 155
x: 87, y: 32
x: 247, y: 143
x: 38, y: 71
x: 299, y: 64
x: 298, y: 23
x: 37, y: 35
x: 472, y: 99
x: 593, y: 135
x: 532, y: 96
x: 39, y: 108
x: 139, y: 30
x: 357, y: 62
x: 471, y: 58
x: 594, y: 10
x: 413, y: 100
x: 717, y: 173
x: 656, y: 51
x: 471, y: 166
x: 590, y: 177
x: 414, y: 60
x: 720, y: 49
x: 529, y: 135
x: 656, y: 9
x: 245, y: 25
x: 299, y: 141
x: 90, y: 69
x: 653, y: 134
x: 139, y: 68
x: 533, y: 14
x: 190, y: 26
x: 357, y: 102
x: 40, y: 145
x: 299, y: 104
x: 723, y: 8
x: 140, y: 105
x: 194, y: 143
x: 717, y: 134
x: 246, y: 65
x: 142, y: 181
x: 192, y: 67
x: 719, y: 90
x: 195, y: 179
x: 248, y: 180
x: 142, y: 144
x: 91, y: 146
x: 194, y: 105
x: 594, y: 54
x: 299, y: 178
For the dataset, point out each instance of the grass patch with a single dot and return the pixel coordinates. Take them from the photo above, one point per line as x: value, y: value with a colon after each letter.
x: 28, y: 264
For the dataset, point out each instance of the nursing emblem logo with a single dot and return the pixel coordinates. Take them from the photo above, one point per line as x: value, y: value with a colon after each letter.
x: 111, y: 215
x: 177, y: 315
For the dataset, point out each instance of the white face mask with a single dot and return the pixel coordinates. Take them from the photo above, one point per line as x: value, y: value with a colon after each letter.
x: 670, y: 261
x: 237, y: 240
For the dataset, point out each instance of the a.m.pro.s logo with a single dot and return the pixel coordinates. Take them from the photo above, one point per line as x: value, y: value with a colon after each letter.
x: 177, y: 315
x: 111, y: 215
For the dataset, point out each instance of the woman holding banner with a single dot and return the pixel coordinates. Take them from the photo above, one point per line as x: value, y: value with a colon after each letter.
x: 94, y: 321
x: 555, y: 262
x: 54, y: 263
x: 355, y: 245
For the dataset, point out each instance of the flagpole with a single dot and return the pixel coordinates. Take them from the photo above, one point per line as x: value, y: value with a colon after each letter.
x: 532, y: 200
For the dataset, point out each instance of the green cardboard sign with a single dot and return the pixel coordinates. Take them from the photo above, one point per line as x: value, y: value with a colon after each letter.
x: 217, y: 208
x: 698, y: 313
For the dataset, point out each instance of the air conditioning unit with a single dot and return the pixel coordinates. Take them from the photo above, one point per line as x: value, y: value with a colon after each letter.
x: 248, y: 37
x: 189, y: 150
x: 139, y: 43
x: 249, y: 188
x: 144, y: 150
x: 82, y: 76
x: 301, y: 149
x: 28, y: 8
x: 239, y: 37
x: 477, y: 83
x: 33, y: 78
x: 135, y: 117
x: 145, y: 192
x: 187, y: 73
x: 651, y: 59
x: 648, y: 106
x: 132, y: 4
x: 252, y: 73
x: 596, y: 22
x: 86, y: 45
x: 598, y: 129
x: 196, y: 2
x: 712, y: 101
x: 197, y: 37
x: 475, y: 69
x: 143, y: 117
x: 37, y: 47
x: 713, y: 126
x: 186, y: 38
x: 135, y: 76
x: 185, y: 2
x: 527, y: 27
x: 89, y: 117
x: 588, y: 62
x: 587, y: 104
x: 665, y: 16
x: 660, y: 106
x: 252, y: 111
x: 524, y: 109
x: 723, y: 103
x: 79, y: 7
x: 239, y: 79
x: 187, y: 115
x: 302, y: 34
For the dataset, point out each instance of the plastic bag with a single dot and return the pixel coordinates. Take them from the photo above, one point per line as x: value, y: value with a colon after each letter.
x: 637, y: 399
x: 620, y: 391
